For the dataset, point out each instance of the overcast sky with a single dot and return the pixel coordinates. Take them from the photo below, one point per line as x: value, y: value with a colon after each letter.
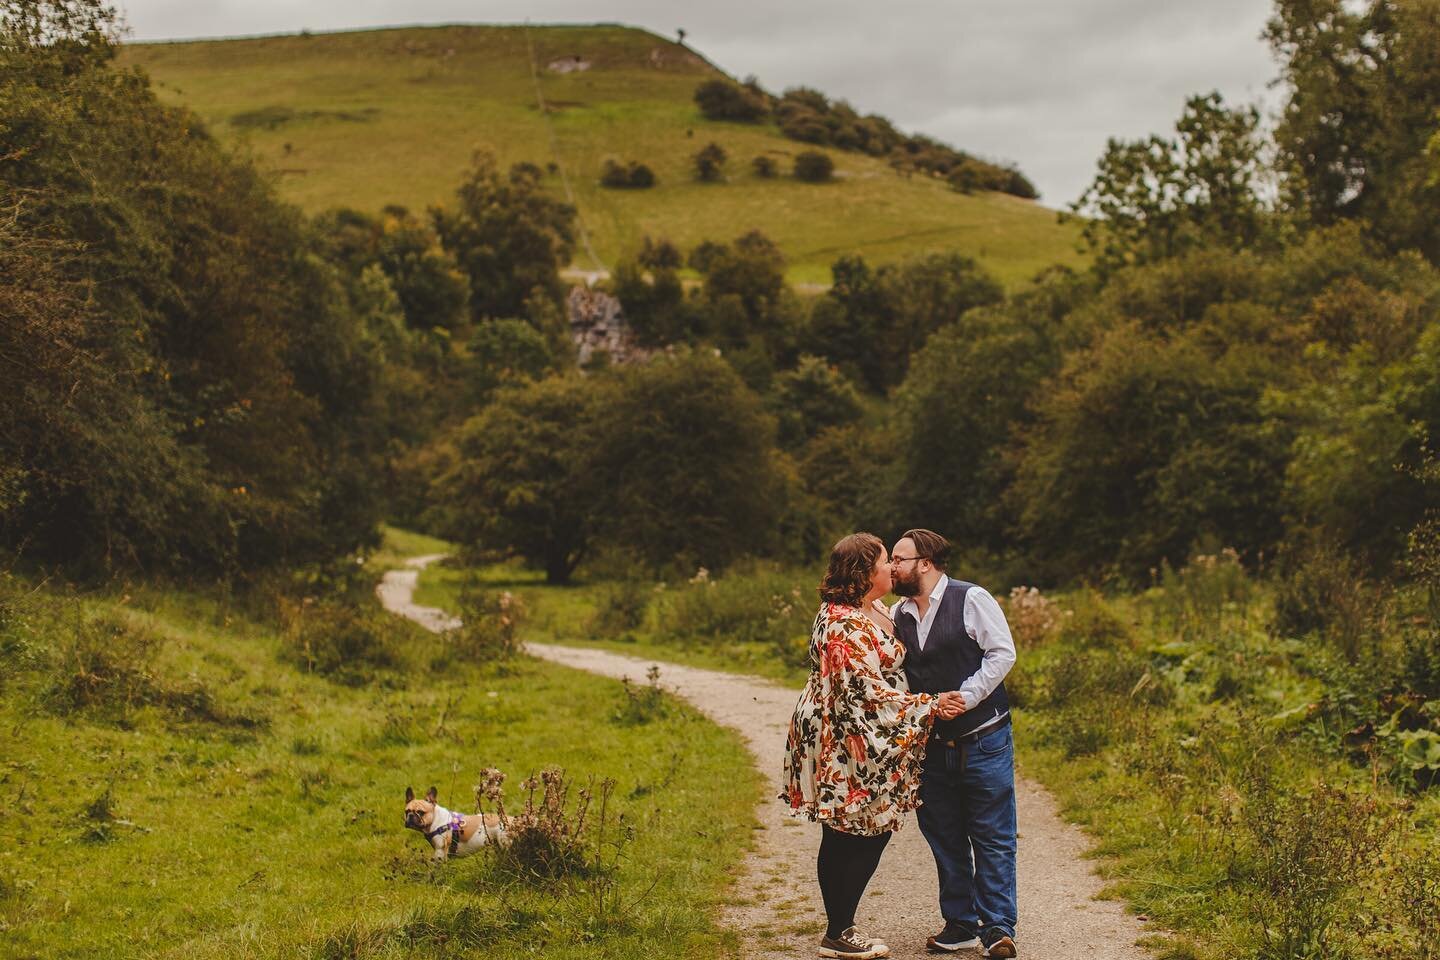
x: 1042, y: 83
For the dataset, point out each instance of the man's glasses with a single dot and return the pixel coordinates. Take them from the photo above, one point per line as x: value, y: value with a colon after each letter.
x: 895, y: 560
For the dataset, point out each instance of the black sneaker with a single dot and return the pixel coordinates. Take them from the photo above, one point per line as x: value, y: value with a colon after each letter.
x: 850, y: 945
x: 955, y: 936
x: 997, y: 943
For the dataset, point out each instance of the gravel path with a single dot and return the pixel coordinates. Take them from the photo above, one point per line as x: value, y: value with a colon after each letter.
x: 777, y: 906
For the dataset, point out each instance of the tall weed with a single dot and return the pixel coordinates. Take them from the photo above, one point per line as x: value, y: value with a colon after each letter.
x: 1307, y: 852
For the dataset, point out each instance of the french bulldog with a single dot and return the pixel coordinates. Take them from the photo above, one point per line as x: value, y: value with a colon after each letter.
x: 451, y: 834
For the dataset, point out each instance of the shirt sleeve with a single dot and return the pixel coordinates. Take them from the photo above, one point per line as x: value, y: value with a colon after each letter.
x: 985, y: 622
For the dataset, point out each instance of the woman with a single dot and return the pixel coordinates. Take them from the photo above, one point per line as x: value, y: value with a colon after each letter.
x: 857, y: 737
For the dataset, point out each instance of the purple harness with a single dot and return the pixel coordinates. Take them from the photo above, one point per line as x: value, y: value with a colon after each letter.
x: 456, y: 824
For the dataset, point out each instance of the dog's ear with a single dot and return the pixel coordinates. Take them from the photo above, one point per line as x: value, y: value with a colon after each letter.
x: 409, y: 794
x: 431, y: 794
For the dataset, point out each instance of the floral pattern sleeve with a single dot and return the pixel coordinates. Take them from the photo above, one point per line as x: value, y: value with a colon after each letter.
x: 857, y: 737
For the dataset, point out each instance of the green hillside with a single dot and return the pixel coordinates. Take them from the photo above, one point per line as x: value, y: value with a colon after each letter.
x: 369, y: 118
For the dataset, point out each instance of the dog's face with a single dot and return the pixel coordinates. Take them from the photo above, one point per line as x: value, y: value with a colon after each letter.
x: 419, y: 813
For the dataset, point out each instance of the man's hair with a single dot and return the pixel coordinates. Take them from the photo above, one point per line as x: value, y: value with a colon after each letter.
x: 931, y: 546
x: 852, y: 566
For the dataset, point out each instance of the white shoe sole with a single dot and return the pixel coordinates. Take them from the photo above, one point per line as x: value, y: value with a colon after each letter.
x: 878, y: 950
x: 955, y: 947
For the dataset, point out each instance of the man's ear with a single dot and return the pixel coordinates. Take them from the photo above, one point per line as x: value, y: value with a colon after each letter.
x: 409, y: 794
x: 431, y: 794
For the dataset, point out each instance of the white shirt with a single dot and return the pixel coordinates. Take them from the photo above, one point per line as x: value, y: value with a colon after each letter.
x: 985, y: 623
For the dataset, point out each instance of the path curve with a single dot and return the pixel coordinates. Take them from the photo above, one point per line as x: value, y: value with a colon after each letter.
x: 776, y: 907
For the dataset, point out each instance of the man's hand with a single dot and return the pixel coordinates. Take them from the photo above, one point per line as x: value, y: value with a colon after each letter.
x: 951, y: 705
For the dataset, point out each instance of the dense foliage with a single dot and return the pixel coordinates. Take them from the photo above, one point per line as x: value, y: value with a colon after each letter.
x: 187, y: 385
x: 809, y: 116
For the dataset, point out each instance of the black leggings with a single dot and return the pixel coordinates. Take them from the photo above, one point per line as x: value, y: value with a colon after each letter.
x: 846, y: 863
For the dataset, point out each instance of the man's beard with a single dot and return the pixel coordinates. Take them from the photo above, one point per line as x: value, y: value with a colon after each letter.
x: 905, y: 588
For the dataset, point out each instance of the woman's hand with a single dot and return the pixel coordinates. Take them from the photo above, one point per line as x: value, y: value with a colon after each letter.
x: 951, y: 705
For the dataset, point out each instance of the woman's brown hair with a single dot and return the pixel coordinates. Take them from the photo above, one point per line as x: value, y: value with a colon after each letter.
x: 851, y: 570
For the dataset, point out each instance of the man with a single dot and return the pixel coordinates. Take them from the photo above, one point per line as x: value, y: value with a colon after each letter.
x: 956, y: 637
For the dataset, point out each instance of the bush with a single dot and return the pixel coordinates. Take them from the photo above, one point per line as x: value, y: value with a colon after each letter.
x: 642, y: 704
x: 489, y: 628
x: 812, y: 166
x: 723, y: 100
x: 627, y: 176
x: 1307, y: 854
x: 1094, y: 623
x: 1034, y: 619
x: 1324, y: 590
x: 106, y: 667
x: 710, y: 163
x: 621, y: 608
x: 342, y: 641
x: 1082, y: 677
x: 759, y: 607
x: 765, y: 167
x: 550, y: 842
x: 1208, y: 594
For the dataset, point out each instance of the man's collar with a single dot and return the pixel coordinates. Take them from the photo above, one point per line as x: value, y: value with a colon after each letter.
x: 909, y: 605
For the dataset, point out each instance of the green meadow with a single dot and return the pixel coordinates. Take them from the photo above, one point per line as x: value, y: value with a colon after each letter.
x: 370, y: 118
x: 180, y: 786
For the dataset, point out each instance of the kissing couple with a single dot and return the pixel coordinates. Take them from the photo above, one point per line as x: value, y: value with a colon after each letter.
x: 906, y: 709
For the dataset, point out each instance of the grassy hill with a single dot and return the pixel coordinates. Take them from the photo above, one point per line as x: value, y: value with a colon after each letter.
x: 368, y: 118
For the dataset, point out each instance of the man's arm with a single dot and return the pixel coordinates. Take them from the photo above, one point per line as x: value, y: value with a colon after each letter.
x: 985, y: 622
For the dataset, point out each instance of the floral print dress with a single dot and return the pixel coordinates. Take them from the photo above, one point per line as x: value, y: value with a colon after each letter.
x: 858, y: 735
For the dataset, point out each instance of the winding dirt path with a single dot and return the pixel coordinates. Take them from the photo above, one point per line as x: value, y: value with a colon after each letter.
x: 776, y: 907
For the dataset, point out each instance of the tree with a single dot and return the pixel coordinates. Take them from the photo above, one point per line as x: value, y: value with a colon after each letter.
x: 525, y: 480
x: 724, y: 100
x: 626, y: 176
x: 1156, y: 198
x: 688, y: 457
x: 1364, y: 84
x: 506, y: 351
x: 764, y: 167
x: 1147, y: 445
x: 811, y: 398
x: 710, y: 163
x: 229, y: 418
x: 508, y: 236
x: 812, y: 166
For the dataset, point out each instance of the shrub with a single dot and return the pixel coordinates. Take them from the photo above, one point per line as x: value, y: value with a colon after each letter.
x: 723, y: 100
x: 1307, y: 853
x: 621, y: 608
x: 627, y: 176
x: 812, y: 166
x: 339, y: 640
x: 710, y: 163
x: 1420, y: 899
x: 1034, y: 618
x: 106, y: 666
x: 551, y: 841
x: 489, y: 624
x: 765, y: 167
x: 1210, y: 592
x: 732, y: 609
x: 1093, y: 622
x: 1324, y: 590
x: 642, y: 704
x: 1083, y: 676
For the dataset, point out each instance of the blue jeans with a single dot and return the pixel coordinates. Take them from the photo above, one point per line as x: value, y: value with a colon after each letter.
x: 967, y: 814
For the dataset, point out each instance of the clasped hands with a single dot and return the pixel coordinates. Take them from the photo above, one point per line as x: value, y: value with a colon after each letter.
x: 951, y: 705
